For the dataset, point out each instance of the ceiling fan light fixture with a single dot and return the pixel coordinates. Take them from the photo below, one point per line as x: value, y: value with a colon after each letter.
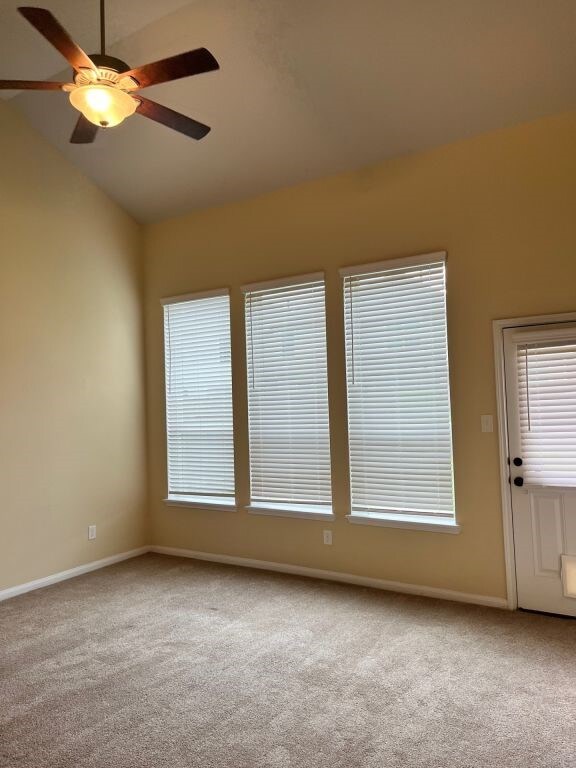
x: 103, y: 105
x: 102, y: 86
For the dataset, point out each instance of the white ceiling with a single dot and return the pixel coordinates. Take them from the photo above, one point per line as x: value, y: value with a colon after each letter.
x: 306, y: 87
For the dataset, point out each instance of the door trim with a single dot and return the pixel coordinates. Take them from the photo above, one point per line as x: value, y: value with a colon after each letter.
x: 498, y: 326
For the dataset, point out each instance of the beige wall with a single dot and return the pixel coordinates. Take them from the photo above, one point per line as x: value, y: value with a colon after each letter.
x: 71, y: 365
x: 72, y: 430
x: 503, y: 206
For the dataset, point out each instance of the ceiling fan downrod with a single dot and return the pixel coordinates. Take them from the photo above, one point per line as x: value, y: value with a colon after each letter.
x: 102, y: 28
x: 102, y: 60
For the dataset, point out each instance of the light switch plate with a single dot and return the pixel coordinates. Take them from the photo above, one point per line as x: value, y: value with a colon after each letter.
x: 487, y: 423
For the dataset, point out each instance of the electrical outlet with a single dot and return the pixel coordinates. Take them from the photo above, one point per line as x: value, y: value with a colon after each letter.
x: 91, y: 531
x: 327, y: 537
x: 487, y: 423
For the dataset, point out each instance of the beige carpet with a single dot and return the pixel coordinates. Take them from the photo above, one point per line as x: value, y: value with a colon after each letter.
x: 165, y: 663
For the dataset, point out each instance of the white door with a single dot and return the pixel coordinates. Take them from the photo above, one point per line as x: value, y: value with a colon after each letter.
x: 540, y: 363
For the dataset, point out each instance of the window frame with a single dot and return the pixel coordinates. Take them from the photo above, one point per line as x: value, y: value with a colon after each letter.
x: 442, y: 523
x: 200, y: 501
x: 285, y: 508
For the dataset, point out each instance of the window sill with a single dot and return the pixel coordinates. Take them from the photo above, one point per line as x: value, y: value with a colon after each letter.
x: 297, y: 512
x: 410, y: 522
x: 201, y: 503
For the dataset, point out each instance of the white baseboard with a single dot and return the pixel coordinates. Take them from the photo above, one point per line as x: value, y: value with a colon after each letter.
x: 46, y: 581
x: 266, y: 565
x: 346, y: 578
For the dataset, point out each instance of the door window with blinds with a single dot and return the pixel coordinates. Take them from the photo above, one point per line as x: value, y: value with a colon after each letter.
x: 288, y: 396
x: 546, y: 381
x: 399, y: 425
x: 199, y: 399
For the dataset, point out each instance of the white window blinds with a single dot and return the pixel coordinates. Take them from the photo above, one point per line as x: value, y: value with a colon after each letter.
x: 288, y: 395
x: 547, y: 409
x: 199, y: 399
x: 400, y: 439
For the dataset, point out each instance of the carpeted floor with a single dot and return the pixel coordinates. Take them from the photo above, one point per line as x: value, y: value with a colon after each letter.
x: 166, y: 663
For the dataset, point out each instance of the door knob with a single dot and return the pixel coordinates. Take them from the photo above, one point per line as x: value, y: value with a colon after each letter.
x: 517, y: 461
x: 519, y: 481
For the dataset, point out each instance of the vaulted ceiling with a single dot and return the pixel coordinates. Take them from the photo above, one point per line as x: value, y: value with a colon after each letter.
x: 306, y: 87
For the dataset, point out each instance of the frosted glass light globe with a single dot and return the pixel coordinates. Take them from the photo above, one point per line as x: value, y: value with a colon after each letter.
x: 103, y: 105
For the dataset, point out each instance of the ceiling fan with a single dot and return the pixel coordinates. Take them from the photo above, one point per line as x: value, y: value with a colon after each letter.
x: 104, y: 87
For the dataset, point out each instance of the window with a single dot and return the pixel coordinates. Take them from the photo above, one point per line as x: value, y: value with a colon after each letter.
x: 288, y: 396
x: 399, y: 426
x: 547, y: 409
x: 199, y: 399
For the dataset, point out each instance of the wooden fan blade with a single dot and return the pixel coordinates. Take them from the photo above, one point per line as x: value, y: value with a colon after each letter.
x: 84, y: 131
x: 171, y: 119
x: 183, y: 65
x: 32, y: 85
x: 43, y: 21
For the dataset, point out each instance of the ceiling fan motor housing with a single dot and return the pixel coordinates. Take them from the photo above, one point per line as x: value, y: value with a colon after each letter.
x: 103, y: 61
